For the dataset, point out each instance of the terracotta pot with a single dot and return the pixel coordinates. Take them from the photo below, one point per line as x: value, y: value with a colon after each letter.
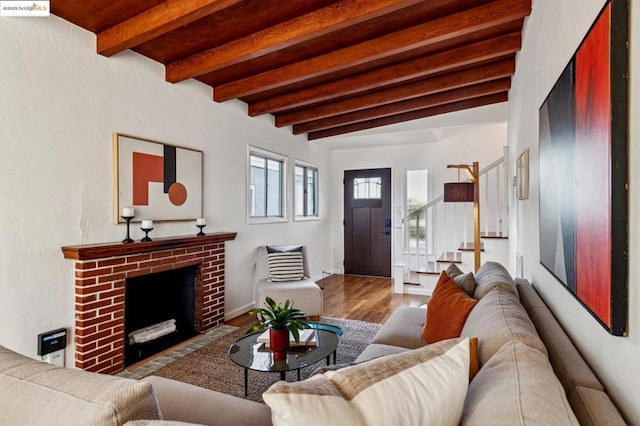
x: 280, y: 356
x: 279, y: 340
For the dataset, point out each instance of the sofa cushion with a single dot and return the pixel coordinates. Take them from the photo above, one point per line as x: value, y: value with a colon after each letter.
x: 285, y: 266
x: 466, y: 281
x: 158, y: 423
x: 424, y: 386
x: 497, y: 318
x: 447, y: 311
x: 453, y: 270
x: 305, y: 294
x: 185, y: 402
x: 492, y: 275
x: 403, y: 328
x: 517, y: 387
x: 593, y: 407
x: 570, y: 367
x: 376, y: 350
x: 284, y: 249
x: 68, y: 396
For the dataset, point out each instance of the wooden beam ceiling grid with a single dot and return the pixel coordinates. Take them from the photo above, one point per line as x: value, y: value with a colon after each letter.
x: 240, y: 20
x: 324, y: 67
x: 306, y: 27
x: 354, y: 34
x: 408, y: 116
x: 424, y: 87
x: 476, y: 37
x: 473, y: 91
x: 422, y: 67
x: 429, y: 33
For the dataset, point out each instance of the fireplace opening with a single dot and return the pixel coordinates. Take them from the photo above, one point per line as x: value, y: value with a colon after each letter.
x: 159, y: 312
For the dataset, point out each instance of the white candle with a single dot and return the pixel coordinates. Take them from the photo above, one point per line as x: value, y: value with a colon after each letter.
x: 127, y: 212
x: 201, y: 221
x: 147, y: 224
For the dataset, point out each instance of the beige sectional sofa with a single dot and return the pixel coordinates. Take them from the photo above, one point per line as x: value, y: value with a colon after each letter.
x: 530, y: 374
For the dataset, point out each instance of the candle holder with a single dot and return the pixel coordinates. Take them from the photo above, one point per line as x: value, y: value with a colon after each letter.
x: 201, y: 234
x: 128, y: 219
x: 146, y: 234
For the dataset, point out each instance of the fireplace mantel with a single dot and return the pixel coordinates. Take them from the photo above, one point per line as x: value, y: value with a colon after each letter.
x: 101, y: 250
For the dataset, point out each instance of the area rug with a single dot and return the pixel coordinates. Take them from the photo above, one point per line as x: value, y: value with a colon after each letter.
x: 210, y: 367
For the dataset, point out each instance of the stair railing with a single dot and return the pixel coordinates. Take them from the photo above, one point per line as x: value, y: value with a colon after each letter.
x: 439, y: 227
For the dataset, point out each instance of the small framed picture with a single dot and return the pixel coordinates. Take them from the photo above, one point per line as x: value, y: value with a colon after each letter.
x: 522, y: 176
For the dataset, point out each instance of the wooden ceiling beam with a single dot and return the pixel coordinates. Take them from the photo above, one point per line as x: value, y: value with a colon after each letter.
x: 442, y: 98
x: 336, y: 16
x: 432, y: 32
x: 408, y: 116
x: 422, y: 67
x: 433, y: 85
x: 152, y: 23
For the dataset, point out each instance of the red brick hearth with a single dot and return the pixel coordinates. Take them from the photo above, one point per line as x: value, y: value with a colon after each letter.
x: 100, y: 274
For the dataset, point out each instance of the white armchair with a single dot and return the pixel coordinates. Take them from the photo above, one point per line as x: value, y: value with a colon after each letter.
x: 305, y: 293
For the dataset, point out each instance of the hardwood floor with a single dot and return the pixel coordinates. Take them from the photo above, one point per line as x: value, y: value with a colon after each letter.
x: 354, y: 297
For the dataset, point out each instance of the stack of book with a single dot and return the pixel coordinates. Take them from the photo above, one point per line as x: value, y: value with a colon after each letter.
x: 307, y: 338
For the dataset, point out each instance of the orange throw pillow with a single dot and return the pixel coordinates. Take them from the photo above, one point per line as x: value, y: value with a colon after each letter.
x: 447, y: 310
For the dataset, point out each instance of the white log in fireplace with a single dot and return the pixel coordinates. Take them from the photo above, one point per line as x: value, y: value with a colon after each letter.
x: 101, y: 271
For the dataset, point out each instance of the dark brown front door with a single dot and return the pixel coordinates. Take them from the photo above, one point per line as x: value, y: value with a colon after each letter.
x: 367, y: 222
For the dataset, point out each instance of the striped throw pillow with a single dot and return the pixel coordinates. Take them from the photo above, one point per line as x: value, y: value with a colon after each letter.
x: 286, y: 266
x: 425, y: 386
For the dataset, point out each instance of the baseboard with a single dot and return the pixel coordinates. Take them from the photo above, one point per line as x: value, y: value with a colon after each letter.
x: 325, y: 274
x: 239, y: 311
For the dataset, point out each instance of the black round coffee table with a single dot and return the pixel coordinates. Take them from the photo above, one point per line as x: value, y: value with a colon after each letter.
x: 253, y: 355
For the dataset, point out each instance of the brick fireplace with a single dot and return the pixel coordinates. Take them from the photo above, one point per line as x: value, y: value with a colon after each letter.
x: 101, y: 271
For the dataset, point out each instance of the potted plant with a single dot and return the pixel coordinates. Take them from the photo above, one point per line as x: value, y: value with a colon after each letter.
x: 279, y: 320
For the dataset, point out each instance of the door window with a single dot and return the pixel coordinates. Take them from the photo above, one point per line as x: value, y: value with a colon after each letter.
x: 367, y: 188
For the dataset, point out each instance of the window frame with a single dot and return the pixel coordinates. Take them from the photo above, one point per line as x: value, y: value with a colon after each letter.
x: 253, y: 151
x: 306, y: 167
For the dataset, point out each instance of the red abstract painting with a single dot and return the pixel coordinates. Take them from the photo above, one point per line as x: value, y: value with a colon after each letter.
x: 583, y: 172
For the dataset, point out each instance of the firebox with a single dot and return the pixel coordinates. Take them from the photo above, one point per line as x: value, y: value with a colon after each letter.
x: 159, y: 312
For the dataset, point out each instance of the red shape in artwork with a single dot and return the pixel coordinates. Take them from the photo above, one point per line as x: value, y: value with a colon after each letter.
x: 177, y: 194
x: 593, y: 171
x: 146, y: 168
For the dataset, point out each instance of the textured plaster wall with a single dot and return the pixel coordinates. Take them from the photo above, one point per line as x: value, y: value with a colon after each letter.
x: 552, y: 34
x: 60, y: 103
x: 462, y: 145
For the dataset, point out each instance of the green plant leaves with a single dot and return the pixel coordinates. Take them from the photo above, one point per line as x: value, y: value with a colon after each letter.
x: 279, y: 318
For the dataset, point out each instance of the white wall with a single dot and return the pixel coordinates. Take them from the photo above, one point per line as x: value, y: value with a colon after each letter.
x: 552, y: 34
x: 60, y: 103
x: 462, y: 145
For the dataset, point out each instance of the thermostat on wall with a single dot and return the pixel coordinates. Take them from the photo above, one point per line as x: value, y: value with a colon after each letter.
x: 52, y: 341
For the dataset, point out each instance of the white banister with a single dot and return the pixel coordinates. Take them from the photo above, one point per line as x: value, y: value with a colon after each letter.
x: 438, y: 228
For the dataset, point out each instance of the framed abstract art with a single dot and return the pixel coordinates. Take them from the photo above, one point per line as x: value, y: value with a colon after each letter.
x: 160, y: 181
x: 583, y: 172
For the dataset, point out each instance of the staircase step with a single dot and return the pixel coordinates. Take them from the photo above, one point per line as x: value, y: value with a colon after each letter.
x: 412, y: 278
x: 498, y: 235
x: 432, y: 268
x: 469, y: 246
x: 450, y: 257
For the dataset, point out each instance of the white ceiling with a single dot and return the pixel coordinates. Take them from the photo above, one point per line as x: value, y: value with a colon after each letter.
x: 424, y: 130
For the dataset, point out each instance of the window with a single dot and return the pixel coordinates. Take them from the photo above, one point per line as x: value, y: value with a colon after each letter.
x: 306, y: 190
x: 367, y: 188
x: 417, y: 189
x: 266, y: 186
